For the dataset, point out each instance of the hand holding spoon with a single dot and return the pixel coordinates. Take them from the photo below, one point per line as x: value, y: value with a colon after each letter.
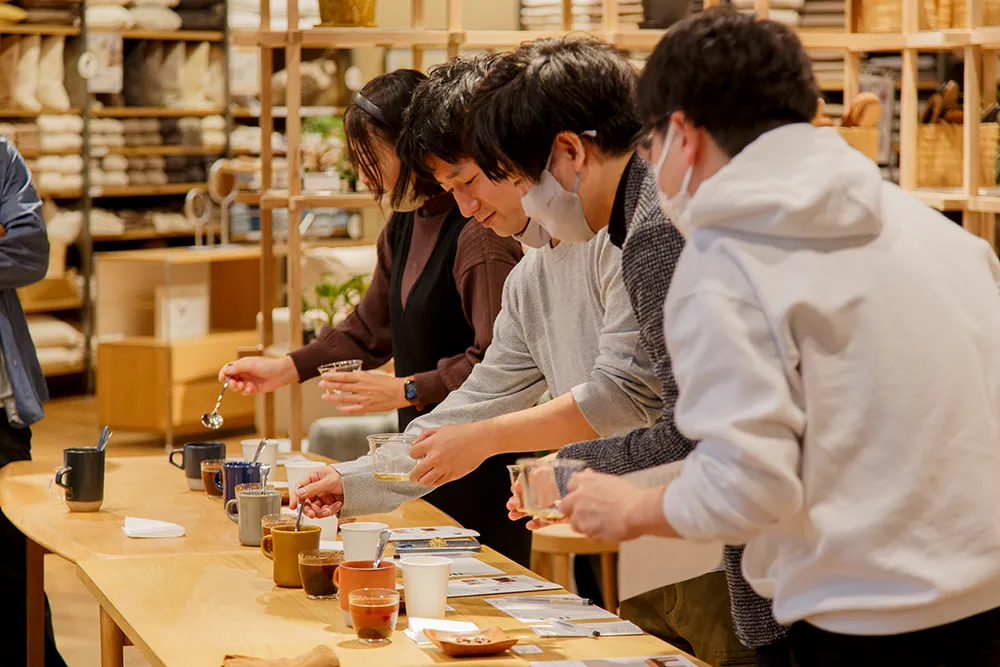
x: 302, y: 505
x: 213, y: 420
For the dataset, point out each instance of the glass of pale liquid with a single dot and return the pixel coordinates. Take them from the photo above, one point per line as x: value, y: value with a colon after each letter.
x: 346, y: 366
x: 390, y: 452
x: 515, y: 487
x: 543, y: 482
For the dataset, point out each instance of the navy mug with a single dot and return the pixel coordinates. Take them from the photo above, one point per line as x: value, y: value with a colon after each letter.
x: 192, y: 454
x: 236, y: 472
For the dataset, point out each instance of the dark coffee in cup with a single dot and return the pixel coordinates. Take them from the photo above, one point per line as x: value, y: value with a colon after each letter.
x: 81, y: 476
x: 316, y: 569
x: 192, y: 454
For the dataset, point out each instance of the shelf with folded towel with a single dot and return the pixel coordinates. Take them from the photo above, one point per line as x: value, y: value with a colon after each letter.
x: 52, y: 305
x: 145, y: 190
x: 39, y: 29
x: 150, y: 234
x: 153, y: 112
x: 14, y: 112
x: 830, y: 84
x: 344, y: 38
x: 282, y: 112
x: 55, y: 369
x: 280, y: 198
x: 154, y: 151
x: 175, y: 35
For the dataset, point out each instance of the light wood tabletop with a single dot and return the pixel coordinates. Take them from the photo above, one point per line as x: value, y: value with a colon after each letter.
x: 192, y: 610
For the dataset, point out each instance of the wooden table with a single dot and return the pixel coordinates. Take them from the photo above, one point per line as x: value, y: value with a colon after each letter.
x: 147, y: 487
x: 192, y: 610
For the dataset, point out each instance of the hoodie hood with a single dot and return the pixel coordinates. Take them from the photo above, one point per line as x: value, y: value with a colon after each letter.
x: 797, y: 181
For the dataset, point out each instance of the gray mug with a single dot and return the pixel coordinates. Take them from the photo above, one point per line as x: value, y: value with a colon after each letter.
x: 248, y: 508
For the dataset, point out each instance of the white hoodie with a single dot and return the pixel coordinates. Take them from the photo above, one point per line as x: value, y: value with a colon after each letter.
x: 837, y: 348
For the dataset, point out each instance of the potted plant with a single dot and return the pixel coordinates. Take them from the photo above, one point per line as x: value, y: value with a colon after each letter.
x: 331, y: 304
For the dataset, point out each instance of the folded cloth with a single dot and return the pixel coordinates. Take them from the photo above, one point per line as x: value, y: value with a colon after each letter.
x: 138, y: 177
x: 156, y: 162
x: 156, y: 177
x: 211, y: 18
x: 321, y: 656
x: 50, y: 4
x: 175, y: 163
x: 150, y: 528
x: 177, y: 176
x: 51, y: 16
x: 822, y: 21
x: 824, y: 7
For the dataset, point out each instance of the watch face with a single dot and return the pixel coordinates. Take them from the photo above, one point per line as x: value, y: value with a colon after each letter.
x: 410, y: 389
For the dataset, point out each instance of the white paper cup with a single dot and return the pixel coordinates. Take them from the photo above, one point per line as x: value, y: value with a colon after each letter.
x: 268, y: 455
x: 328, y: 526
x: 296, y: 470
x: 425, y: 580
x: 361, y: 539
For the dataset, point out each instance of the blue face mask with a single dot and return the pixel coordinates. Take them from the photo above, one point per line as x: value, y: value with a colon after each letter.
x: 557, y: 209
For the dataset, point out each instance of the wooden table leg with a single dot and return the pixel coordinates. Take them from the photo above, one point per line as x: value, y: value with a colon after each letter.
x: 35, y: 603
x: 112, y: 642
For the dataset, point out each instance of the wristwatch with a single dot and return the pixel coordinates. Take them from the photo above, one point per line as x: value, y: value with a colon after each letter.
x: 410, y: 391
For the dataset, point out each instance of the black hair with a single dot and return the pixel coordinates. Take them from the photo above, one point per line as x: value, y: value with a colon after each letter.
x: 390, y: 94
x: 435, y: 118
x: 545, y: 87
x: 736, y: 75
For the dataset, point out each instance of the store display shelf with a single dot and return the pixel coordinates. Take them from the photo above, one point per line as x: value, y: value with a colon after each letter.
x: 499, y: 39
x: 57, y: 369
x: 175, y: 35
x: 153, y: 151
x: 69, y: 193
x: 32, y: 154
x: 15, y: 112
x: 342, y: 38
x: 987, y: 201
x: 149, y: 234
x: 831, y: 84
x: 145, y: 190
x: 52, y: 305
x: 153, y: 112
x: 942, y: 199
x: 282, y: 112
x: 349, y: 200
x: 39, y: 29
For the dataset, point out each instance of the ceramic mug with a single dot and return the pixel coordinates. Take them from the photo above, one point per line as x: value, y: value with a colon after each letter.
x: 283, y: 546
x: 248, y: 508
x: 84, y: 488
x: 192, y: 454
x: 233, y: 473
x: 357, y: 574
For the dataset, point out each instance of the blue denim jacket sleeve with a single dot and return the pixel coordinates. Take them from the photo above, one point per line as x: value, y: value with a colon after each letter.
x: 24, y: 259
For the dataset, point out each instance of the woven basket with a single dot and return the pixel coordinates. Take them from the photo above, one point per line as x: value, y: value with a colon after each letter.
x: 347, y: 13
x: 887, y: 15
x: 864, y: 139
x: 940, y: 154
x: 951, y: 13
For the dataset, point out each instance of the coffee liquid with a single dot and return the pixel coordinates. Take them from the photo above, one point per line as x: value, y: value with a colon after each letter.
x: 208, y: 479
x: 317, y: 576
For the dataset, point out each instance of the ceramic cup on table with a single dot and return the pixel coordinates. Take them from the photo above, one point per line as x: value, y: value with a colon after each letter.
x: 361, y: 539
x: 208, y: 469
x: 191, y: 456
x: 236, y: 472
x: 296, y: 470
x: 425, y: 584
x: 268, y: 455
x: 328, y: 526
x: 355, y: 574
x: 248, y: 508
x: 374, y: 612
x: 81, y: 477
x: 283, y: 546
x: 390, y: 454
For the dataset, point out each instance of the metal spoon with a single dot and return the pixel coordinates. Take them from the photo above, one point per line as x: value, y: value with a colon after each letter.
x: 102, y: 441
x: 383, y: 542
x: 213, y: 420
x: 260, y: 448
x: 265, y: 470
x: 298, y: 516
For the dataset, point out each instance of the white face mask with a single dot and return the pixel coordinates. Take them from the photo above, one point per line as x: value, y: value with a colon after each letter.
x: 533, y: 235
x: 674, y: 207
x: 411, y: 201
x: 556, y: 209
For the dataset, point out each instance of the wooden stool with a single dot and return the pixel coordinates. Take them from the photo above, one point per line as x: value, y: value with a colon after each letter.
x: 558, y: 542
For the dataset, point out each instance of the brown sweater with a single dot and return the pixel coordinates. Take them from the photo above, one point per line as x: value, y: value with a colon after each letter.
x: 482, y: 262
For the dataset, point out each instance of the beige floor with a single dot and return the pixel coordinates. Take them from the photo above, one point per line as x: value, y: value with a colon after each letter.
x: 74, y: 611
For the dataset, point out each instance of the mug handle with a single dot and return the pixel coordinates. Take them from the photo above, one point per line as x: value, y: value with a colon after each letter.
x: 336, y: 577
x: 218, y: 480
x: 57, y: 479
x: 267, y: 547
x: 232, y: 510
x: 171, y: 458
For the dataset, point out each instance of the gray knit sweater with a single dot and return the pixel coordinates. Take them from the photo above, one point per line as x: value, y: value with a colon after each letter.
x: 649, y: 257
x: 566, y: 324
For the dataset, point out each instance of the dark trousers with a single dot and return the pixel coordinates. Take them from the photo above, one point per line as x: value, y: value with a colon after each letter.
x: 15, y: 445
x: 970, y: 642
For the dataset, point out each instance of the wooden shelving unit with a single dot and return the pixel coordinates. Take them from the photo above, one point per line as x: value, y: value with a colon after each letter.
x: 153, y: 112
x: 175, y: 35
x: 39, y: 29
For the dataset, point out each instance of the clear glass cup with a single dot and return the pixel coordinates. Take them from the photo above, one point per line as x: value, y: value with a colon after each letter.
x: 208, y: 469
x: 515, y: 488
x: 316, y: 569
x: 373, y: 613
x: 391, y: 461
x: 346, y: 366
x: 271, y: 520
x: 543, y: 484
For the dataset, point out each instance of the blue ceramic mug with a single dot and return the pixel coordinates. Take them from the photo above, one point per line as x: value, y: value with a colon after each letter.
x: 236, y: 472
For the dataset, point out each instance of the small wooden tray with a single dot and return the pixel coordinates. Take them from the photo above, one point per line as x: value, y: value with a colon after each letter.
x: 454, y: 643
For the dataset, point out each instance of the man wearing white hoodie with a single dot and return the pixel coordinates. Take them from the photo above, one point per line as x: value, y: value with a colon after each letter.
x: 834, y: 345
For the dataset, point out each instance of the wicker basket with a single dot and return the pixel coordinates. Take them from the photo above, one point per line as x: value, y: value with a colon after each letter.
x: 939, y: 155
x: 886, y: 16
x: 347, y: 13
x: 951, y: 13
x: 864, y: 139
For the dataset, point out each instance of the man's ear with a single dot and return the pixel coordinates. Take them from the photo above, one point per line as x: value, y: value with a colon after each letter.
x: 573, y: 145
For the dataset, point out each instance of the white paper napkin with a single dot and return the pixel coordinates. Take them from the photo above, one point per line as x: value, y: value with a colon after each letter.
x: 150, y: 528
x: 330, y: 544
x: 416, y: 627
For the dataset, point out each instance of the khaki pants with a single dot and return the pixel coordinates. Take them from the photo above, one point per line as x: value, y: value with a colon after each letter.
x: 694, y: 616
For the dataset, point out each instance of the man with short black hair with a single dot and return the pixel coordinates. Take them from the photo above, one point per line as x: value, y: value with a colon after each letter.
x: 834, y: 343
x: 561, y: 113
